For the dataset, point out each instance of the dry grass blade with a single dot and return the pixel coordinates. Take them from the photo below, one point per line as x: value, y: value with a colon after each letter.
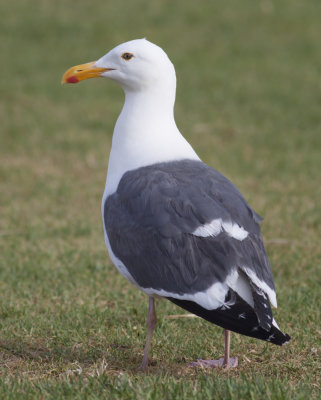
x: 177, y: 316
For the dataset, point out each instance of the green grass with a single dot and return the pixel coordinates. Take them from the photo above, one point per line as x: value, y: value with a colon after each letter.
x: 248, y: 100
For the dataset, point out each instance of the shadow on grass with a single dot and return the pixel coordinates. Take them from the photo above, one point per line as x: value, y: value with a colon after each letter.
x: 114, y: 360
x: 117, y: 355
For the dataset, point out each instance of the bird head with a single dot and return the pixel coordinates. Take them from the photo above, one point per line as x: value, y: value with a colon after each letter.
x: 135, y: 65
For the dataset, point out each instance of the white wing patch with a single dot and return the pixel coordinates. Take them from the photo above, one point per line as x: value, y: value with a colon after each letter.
x: 214, y: 296
x: 213, y: 228
x: 216, y: 226
x: 210, y: 299
x: 235, y: 230
x: 241, y: 286
x: 262, y: 285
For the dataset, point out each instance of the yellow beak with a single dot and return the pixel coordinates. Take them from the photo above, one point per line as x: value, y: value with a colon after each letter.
x: 81, y: 72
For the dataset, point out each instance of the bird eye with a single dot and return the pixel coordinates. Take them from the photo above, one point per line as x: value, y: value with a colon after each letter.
x: 127, y: 56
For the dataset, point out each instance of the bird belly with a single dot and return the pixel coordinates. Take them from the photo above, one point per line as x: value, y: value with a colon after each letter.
x: 118, y: 263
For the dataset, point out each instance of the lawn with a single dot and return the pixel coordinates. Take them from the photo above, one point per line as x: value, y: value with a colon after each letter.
x: 248, y: 100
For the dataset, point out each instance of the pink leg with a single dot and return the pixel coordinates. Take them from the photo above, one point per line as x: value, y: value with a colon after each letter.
x: 151, y: 322
x: 226, y: 362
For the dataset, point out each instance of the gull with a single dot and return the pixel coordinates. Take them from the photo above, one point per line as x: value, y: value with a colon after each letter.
x: 175, y: 227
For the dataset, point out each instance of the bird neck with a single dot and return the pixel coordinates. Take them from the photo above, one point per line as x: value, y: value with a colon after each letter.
x: 145, y: 133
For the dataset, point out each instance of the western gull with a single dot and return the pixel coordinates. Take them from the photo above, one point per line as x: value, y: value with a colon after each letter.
x: 175, y: 227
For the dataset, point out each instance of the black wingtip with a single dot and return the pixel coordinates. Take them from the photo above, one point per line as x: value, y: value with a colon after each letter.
x: 277, y: 337
x: 239, y: 318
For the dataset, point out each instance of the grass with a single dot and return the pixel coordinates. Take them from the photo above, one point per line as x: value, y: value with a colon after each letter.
x: 249, y: 102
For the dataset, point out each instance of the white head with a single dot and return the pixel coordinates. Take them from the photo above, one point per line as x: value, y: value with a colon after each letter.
x: 137, y: 65
x: 145, y: 131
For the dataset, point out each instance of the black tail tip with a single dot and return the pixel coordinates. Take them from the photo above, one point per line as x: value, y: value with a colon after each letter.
x: 279, y: 339
x: 287, y: 338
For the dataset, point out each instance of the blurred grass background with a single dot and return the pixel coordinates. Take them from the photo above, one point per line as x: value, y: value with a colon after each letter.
x: 248, y: 100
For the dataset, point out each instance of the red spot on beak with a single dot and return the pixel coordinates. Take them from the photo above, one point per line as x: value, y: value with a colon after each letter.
x: 72, y: 79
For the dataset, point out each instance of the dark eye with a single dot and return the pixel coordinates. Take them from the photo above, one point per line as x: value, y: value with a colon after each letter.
x: 127, y: 56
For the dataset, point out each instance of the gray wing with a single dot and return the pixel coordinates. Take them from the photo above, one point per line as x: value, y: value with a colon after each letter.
x: 151, y: 218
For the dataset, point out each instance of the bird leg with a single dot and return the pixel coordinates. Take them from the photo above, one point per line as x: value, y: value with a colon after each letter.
x: 226, y: 362
x: 150, y: 322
